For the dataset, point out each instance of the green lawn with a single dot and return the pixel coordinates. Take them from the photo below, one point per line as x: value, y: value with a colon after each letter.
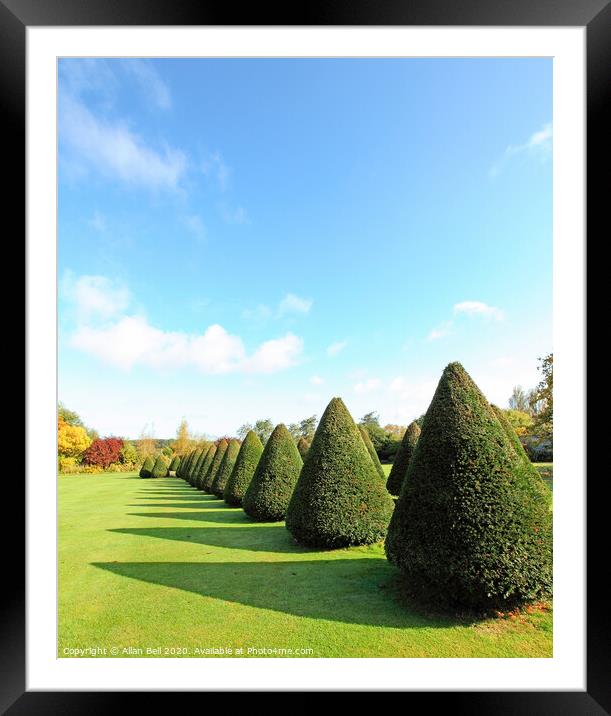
x: 157, y: 564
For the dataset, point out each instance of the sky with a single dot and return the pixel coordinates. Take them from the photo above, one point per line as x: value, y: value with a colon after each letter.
x: 247, y: 238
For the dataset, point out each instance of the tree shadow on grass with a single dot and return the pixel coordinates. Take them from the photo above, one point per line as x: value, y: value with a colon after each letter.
x: 262, y: 538
x: 354, y: 591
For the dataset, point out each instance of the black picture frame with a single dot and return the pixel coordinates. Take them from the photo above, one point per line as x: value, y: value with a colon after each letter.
x: 595, y: 15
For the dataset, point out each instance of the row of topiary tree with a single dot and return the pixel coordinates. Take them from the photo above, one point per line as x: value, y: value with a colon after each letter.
x: 160, y: 467
x: 472, y: 524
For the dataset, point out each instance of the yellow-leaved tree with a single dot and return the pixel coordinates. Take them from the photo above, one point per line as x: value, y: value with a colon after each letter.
x: 72, y: 440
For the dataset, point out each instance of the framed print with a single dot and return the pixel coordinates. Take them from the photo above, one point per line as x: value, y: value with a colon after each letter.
x: 296, y: 291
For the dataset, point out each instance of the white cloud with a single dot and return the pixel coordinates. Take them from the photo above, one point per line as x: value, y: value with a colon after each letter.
x: 316, y: 380
x: 294, y: 304
x: 275, y: 355
x: 132, y: 341
x: 440, y: 332
x: 114, y: 150
x: 367, y: 386
x: 538, y: 144
x: 290, y: 304
x: 336, y: 348
x: 95, y: 297
x: 478, y: 308
x: 234, y: 216
x: 150, y: 81
x: 259, y: 314
x: 214, y: 165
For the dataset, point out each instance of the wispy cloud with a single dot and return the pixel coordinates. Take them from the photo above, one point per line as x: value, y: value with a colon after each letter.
x: 290, y: 305
x: 367, y: 386
x: 150, y: 81
x: 441, y: 331
x: 94, y: 297
x: 316, y: 380
x: 214, y: 166
x: 538, y: 144
x: 336, y: 348
x: 114, y: 150
x: 465, y: 308
x: 478, y: 308
x: 294, y: 304
x: 238, y: 215
x: 97, y: 221
x: 195, y: 225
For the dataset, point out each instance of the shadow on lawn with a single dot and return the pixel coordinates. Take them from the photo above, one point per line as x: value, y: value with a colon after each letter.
x: 355, y: 591
x: 262, y: 538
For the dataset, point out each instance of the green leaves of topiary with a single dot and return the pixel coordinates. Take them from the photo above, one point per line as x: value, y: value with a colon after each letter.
x: 339, y: 499
x: 244, y: 469
x: 160, y: 468
x: 225, y: 468
x: 402, y: 459
x: 204, y: 467
x: 147, y: 466
x: 472, y: 526
x: 214, y: 465
x: 372, y: 451
x: 273, y: 482
x: 175, y: 464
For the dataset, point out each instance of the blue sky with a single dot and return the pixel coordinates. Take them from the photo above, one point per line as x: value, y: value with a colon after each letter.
x: 243, y: 239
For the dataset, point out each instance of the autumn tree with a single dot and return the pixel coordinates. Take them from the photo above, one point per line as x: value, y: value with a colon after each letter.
x: 146, y: 443
x: 72, y: 440
x: 544, y: 395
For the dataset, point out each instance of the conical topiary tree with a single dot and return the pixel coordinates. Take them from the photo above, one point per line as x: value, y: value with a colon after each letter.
x: 215, y: 464
x: 193, y: 466
x: 339, y: 499
x: 203, y: 468
x: 203, y: 480
x: 402, y: 458
x: 160, y: 468
x: 521, y: 453
x: 186, y: 463
x: 303, y: 446
x: 275, y: 477
x: 471, y: 528
x: 225, y: 469
x: 147, y: 466
x: 372, y: 451
x: 175, y: 464
x: 243, y: 470
x: 198, y: 466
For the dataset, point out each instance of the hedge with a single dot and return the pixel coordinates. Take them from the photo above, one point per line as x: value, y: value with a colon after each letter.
x: 225, y: 469
x: 244, y: 469
x: 402, y: 459
x: 147, y: 466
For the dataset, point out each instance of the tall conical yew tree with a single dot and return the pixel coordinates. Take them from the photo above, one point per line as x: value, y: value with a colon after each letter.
x: 225, y: 469
x: 184, y: 468
x: 214, y: 465
x: 372, y: 451
x: 402, y: 458
x: 243, y: 470
x: 147, y: 466
x: 203, y: 480
x: 203, y: 468
x: 276, y: 475
x: 175, y: 464
x: 339, y: 499
x: 193, y: 466
x: 471, y: 528
x: 303, y: 446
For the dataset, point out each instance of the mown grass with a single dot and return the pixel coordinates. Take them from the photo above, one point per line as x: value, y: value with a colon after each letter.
x: 156, y: 564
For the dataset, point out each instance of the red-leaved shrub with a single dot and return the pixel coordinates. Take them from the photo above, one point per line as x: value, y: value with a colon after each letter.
x: 103, y: 452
